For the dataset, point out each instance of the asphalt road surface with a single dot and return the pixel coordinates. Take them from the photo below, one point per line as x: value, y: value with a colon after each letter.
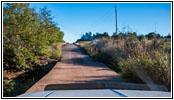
x: 77, y: 71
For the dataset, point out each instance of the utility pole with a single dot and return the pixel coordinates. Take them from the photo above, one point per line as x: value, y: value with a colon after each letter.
x: 116, y: 18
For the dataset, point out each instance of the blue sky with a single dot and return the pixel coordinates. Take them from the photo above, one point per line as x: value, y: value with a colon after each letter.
x: 75, y: 19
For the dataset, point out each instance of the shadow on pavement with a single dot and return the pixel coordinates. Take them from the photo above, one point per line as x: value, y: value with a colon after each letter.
x: 104, y: 85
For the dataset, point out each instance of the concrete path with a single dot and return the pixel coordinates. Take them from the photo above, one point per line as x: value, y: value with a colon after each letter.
x: 77, y: 71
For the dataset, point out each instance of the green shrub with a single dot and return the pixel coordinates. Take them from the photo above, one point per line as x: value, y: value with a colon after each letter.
x: 8, y: 87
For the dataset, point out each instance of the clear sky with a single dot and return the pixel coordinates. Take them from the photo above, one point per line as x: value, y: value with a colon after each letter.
x: 75, y: 19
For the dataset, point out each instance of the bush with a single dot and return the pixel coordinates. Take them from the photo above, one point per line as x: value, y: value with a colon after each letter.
x: 8, y: 87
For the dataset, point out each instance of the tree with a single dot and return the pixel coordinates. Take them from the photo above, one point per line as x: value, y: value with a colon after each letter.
x: 152, y: 35
x: 20, y: 26
x: 100, y: 35
x: 27, y: 35
x: 168, y: 36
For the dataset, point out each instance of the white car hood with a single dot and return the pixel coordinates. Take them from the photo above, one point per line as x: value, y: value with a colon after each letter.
x: 97, y: 93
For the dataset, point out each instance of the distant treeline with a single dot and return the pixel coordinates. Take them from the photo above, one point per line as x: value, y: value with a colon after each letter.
x: 88, y: 36
x: 27, y: 35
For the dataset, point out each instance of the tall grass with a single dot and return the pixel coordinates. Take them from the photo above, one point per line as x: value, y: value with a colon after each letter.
x: 140, y: 60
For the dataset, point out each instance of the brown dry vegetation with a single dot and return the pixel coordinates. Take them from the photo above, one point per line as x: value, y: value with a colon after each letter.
x: 140, y: 60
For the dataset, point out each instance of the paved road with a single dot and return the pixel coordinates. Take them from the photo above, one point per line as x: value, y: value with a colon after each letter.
x: 77, y: 71
x: 76, y: 68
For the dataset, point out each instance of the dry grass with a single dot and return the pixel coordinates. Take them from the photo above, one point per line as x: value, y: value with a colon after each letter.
x: 144, y: 60
x: 55, y: 51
